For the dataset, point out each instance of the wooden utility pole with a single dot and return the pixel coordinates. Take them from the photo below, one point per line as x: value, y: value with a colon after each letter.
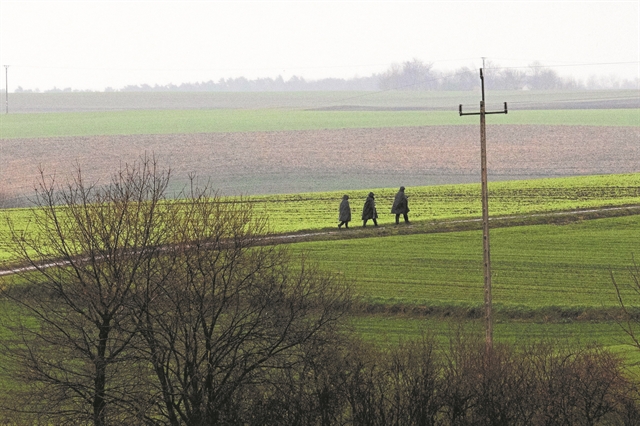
x: 485, y: 216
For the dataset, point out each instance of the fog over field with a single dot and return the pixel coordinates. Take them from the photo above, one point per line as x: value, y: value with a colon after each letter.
x: 328, y: 56
x: 105, y: 45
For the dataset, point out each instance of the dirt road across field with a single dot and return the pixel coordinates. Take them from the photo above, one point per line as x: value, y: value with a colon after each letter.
x: 300, y: 161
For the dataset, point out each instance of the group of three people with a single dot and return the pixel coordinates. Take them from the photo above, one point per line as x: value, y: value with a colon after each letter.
x: 400, y: 207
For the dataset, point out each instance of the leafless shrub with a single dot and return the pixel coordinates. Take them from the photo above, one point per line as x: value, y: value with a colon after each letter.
x: 395, y: 387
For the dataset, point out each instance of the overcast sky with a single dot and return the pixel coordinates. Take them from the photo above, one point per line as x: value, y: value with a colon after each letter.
x: 89, y: 44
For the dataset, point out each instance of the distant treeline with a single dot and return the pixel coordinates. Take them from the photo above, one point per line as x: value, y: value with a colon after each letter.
x: 410, y: 75
x: 278, y: 84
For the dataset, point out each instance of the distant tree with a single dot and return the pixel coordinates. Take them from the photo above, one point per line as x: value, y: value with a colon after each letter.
x: 512, y: 79
x: 296, y: 83
x: 412, y: 75
x: 610, y: 82
x: 240, y: 84
x: 463, y: 79
x: 542, y: 78
x: 499, y: 78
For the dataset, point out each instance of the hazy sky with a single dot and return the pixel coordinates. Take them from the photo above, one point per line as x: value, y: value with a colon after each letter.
x: 88, y: 44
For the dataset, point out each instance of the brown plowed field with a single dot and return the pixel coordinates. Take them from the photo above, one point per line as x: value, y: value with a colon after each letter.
x: 297, y: 161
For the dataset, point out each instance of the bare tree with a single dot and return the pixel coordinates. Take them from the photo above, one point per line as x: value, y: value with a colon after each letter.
x: 139, y: 309
x: 231, y: 311
x: 88, y: 248
x: 543, y: 78
x: 412, y: 75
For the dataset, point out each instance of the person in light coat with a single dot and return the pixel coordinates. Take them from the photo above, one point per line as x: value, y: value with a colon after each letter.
x: 401, y: 206
x: 345, y: 213
x: 369, y: 210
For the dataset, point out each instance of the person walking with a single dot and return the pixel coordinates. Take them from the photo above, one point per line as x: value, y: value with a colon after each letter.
x: 401, y: 206
x: 369, y: 211
x: 345, y: 213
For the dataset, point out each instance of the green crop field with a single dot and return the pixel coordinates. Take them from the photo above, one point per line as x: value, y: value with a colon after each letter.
x: 550, y: 280
x: 242, y: 120
x: 534, y: 268
x: 318, y: 211
x: 313, y: 211
x: 389, y: 330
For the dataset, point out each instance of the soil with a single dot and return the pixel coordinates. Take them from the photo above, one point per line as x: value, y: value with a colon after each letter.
x: 299, y: 161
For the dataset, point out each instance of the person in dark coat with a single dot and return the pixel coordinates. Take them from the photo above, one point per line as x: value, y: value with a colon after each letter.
x: 401, y: 206
x: 369, y: 210
x: 345, y: 212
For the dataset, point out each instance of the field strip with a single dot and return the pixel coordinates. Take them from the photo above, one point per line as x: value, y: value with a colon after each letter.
x: 292, y: 238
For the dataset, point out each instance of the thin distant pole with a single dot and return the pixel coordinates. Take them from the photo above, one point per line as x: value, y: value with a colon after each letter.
x: 6, y: 85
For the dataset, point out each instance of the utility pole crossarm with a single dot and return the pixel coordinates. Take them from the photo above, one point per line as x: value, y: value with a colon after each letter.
x: 504, y: 111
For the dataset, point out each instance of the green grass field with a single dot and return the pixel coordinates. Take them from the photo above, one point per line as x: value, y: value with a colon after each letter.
x: 549, y: 283
x: 550, y: 280
x: 318, y: 211
x: 243, y: 120
x: 534, y: 268
x: 389, y: 330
